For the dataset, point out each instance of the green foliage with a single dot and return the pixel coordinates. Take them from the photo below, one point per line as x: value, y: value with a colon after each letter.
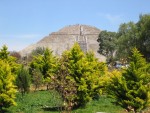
x: 107, y: 44
x: 143, y: 26
x: 4, y: 55
x: 37, y: 78
x: 7, y: 87
x: 35, y: 52
x: 132, y: 35
x: 103, y: 105
x: 46, y: 63
x: 48, y: 102
x: 129, y: 35
x: 79, y: 77
x: 37, y: 102
x: 127, y: 39
x: 23, y: 80
x: 130, y: 88
x: 86, y: 72
x: 64, y: 84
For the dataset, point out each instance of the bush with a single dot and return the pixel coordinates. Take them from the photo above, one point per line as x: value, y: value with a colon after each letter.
x: 7, y: 87
x: 130, y: 88
x: 23, y: 80
x: 37, y: 78
x: 84, y: 71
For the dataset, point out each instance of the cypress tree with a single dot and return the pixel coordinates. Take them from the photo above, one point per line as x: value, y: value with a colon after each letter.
x: 86, y: 71
x: 131, y: 88
x: 7, y: 87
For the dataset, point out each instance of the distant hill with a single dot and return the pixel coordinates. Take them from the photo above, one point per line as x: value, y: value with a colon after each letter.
x: 64, y: 39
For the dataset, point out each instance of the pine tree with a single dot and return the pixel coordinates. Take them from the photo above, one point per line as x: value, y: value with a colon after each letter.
x: 4, y: 53
x: 23, y: 80
x: 130, y: 89
x: 7, y: 87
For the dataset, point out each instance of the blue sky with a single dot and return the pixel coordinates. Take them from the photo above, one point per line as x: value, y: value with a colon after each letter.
x: 24, y: 22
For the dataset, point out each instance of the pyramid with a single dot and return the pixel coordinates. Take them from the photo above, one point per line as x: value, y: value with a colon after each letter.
x: 65, y: 38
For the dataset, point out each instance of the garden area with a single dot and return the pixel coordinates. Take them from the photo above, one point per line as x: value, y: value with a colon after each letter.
x: 49, y: 102
x: 77, y: 82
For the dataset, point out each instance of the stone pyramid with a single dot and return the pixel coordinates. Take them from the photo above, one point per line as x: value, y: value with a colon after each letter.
x: 64, y: 39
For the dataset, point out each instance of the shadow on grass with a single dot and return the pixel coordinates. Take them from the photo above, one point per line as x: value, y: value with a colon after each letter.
x: 56, y: 108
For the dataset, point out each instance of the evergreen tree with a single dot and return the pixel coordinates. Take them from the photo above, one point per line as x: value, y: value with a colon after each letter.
x: 7, y: 87
x: 23, y: 80
x: 86, y: 72
x: 130, y: 90
x: 46, y: 63
x: 4, y: 55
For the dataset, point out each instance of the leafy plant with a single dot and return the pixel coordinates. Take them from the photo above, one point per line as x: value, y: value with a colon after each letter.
x: 86, y: 71
x: 7, y: 87
x: 23, y: 80
x: 64, y: 84
x: 37, y: 78
x: 46, y: 63
x: 130, y: 88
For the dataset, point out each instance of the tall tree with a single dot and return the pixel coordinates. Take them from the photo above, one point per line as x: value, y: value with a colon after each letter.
x: 63, y: 83
x: 127, y: 39
x: 7, y: 87
x: 46, y: 63
x: 143, y: 26
x: 131, y: 90
x: 107, y: 44
x: 86, y: 72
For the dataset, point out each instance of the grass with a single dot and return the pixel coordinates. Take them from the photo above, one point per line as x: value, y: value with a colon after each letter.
x: 47, y: 102
x: 104, y: 104
x: 35, y: 102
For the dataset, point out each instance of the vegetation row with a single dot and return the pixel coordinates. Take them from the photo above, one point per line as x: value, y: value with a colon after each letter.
x: 78, y: 77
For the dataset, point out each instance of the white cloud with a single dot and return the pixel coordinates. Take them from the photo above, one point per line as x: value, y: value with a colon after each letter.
x: 113, y: 19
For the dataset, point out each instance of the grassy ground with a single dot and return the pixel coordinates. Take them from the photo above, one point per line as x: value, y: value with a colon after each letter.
x: 34, y: 102
x: 102, y: 105
x: 46, y: 102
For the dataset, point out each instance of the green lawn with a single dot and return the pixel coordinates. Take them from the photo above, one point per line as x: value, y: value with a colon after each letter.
x: 102, y: 105
x: 46, y: 102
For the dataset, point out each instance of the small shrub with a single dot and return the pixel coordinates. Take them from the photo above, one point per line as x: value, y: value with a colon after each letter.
x: 23, y: 80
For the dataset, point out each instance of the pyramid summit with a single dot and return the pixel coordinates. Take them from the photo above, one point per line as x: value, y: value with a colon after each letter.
x: 65, y: 38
